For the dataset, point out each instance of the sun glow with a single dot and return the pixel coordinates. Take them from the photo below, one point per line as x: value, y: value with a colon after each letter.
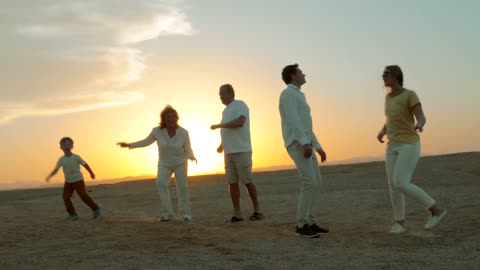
x: 204, y: 144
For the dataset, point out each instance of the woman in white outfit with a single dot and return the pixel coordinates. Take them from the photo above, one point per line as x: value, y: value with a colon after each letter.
x: 174, y: 150
x: 402, y: 107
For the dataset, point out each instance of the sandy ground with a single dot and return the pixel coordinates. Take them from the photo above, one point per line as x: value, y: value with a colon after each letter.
x: 354, y: 204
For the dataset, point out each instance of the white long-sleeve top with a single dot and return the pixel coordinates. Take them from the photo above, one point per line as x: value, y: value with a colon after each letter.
x: 296, y: 118
x: 173, y: 151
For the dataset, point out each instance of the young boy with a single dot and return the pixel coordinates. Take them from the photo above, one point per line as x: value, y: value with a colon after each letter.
x: 74, y: 179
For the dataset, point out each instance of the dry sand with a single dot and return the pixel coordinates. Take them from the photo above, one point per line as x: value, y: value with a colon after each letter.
x: 354, y: 204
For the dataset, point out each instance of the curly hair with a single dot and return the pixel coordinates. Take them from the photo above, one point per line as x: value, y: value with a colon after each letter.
x: 163, y: 116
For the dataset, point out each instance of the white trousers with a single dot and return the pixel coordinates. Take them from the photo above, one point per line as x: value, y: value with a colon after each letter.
x: 401, y: 161
x: 163, y: 177
x: 311, y: 180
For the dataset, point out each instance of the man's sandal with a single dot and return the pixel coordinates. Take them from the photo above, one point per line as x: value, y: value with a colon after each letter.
x: 235, y: 219
x: 256, y: 216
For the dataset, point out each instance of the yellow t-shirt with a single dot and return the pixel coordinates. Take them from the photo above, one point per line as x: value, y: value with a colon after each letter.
x: 400, y: 121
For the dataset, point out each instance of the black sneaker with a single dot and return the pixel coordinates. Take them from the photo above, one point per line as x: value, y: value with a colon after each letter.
x: 305, y: 231
x: 314, y: 227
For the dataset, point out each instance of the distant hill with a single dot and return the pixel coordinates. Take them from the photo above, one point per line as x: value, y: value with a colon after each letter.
x: 332, y: 165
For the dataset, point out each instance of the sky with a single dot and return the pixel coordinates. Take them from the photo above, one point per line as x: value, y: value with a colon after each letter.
x: 100, y: 71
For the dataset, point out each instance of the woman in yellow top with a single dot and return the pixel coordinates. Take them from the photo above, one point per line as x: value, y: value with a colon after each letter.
x: 402, y: 107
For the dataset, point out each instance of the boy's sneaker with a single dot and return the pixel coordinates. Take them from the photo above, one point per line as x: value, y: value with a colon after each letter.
x: 397, y: 229
x: 97, y: 212
x: 72, y: 217
x: 305, y: 231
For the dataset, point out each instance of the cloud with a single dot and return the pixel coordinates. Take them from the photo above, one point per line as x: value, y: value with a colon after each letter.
x: 125, y: 23
x: 67, y: 104
x: 47, y: 31
x: 173, y: 23
x: 65, y: 46
x: 119, y: 65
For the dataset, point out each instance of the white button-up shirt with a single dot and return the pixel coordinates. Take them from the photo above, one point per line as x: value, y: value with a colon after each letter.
x: 296, y: 118
x: 173, y: 151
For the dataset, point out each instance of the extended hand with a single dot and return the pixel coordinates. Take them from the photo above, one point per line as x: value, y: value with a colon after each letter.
x: 123, y: 144
x: 92, y: 175
x: 213, y: 127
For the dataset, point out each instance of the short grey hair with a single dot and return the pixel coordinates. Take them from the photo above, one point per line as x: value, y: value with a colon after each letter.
x: 229, y: 88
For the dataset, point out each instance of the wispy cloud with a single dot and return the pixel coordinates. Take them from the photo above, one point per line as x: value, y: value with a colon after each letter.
x: 172, y: 23
x: 79, y: 45
x: 67, y: 104
x: 44, y: 31
x: 119, y: 65
x: 124, y: 23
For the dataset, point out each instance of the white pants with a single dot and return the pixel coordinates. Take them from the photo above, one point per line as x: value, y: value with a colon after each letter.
x: 401, y: 161
x: 309, y: 173
x: 163, y: 177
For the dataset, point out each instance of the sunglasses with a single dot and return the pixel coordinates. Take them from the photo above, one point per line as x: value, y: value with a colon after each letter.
x: 386, y: 74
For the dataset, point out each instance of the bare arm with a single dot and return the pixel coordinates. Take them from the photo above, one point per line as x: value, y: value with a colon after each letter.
x: 420, y: 116
x: 235, y: 123
x: 51, y: 174
x: 382, y: 133
x: 92, y: 175
x: 220, y: 148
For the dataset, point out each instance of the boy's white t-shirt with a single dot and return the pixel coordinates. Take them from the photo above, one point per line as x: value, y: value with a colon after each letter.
x: 236, y: 140
x: 71, y: 167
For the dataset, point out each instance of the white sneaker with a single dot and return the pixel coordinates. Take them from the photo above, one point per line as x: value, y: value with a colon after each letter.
x: 434, y: 220
x: 397, y: 229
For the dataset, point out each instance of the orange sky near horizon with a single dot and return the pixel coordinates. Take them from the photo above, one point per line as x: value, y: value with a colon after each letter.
x: 101, y: 74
